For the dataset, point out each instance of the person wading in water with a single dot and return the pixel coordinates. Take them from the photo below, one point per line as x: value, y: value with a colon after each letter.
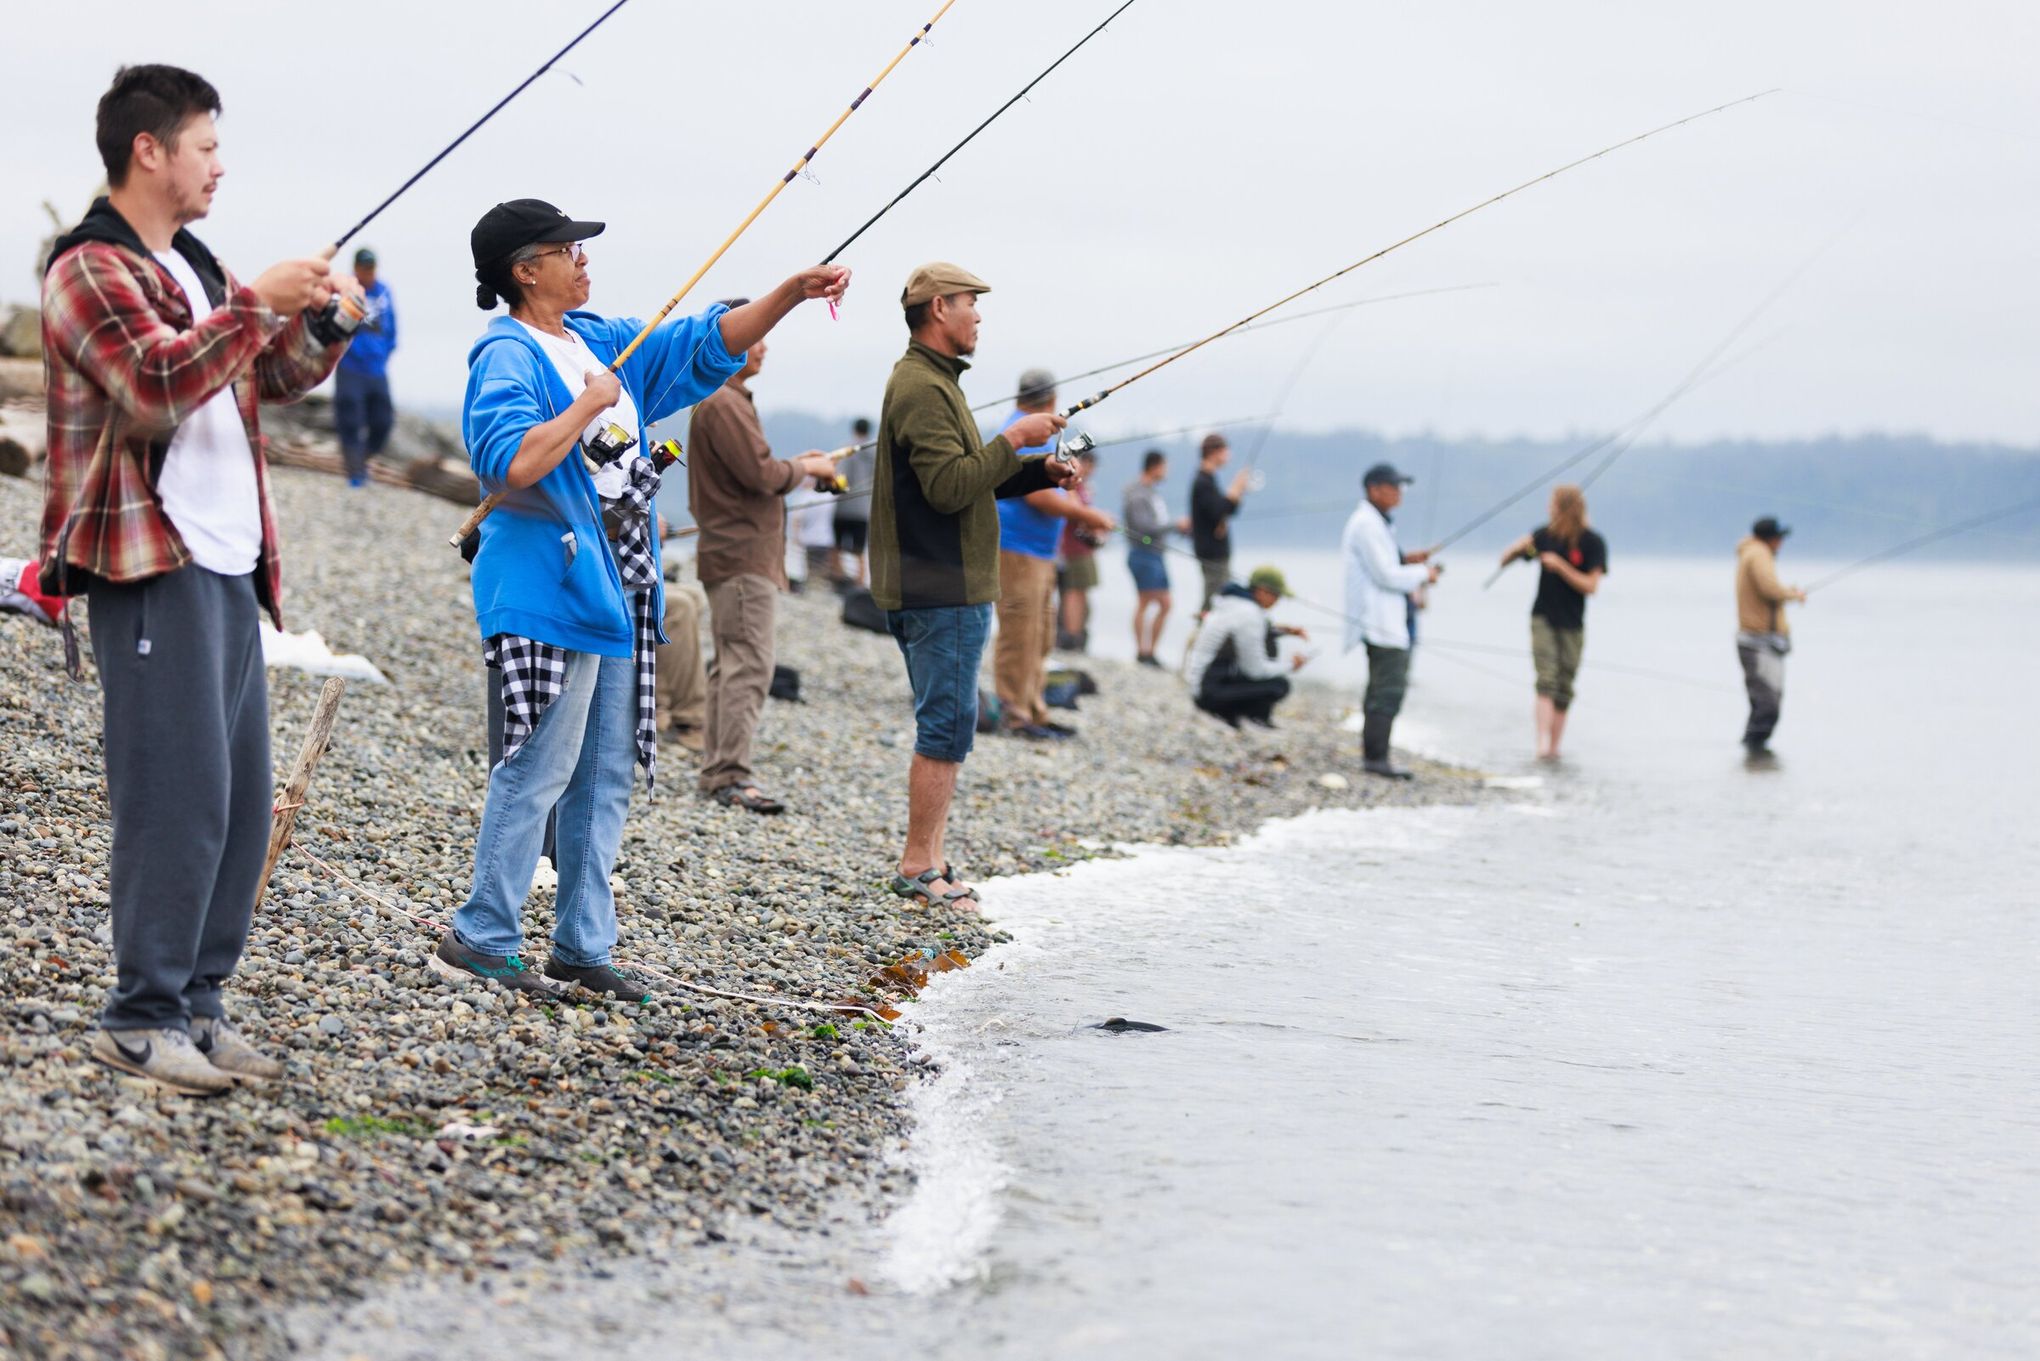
x: 1574, y: 559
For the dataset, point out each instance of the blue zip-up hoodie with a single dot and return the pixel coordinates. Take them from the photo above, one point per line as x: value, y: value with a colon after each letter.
x: 376, y: 337
x: 545, y: 570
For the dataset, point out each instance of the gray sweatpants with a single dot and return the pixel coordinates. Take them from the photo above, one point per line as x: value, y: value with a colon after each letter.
x: 189, y: 784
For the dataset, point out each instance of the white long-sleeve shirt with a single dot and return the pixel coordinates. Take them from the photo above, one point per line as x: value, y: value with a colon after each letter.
x: 1378, y: 581
x: 1241, y: 620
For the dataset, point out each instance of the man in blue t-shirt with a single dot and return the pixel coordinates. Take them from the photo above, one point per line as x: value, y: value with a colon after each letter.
x: 361, y: 389
x: 1030, y: 528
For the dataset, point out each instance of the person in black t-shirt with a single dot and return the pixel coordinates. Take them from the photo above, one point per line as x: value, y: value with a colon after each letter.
x: 1211, y: 512
x: 1574, y: 559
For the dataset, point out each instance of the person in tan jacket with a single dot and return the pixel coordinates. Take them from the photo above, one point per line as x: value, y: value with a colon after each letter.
x: 736, y: 490
x: 1763, y: 636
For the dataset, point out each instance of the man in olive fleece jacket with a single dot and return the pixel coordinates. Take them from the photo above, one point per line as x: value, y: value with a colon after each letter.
x: 935, y: 547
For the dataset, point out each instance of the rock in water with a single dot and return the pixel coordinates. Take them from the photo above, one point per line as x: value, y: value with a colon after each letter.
x: 1119, y: 1025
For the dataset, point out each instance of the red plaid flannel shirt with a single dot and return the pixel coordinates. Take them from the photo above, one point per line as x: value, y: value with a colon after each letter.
x: 123, y: 365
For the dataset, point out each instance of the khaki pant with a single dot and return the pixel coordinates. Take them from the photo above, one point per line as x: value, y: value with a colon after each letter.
x: 683, y: 684
x: 1217, y: 572
x: 1026, y: 634
x: 1555, y: 653
x: 740, y: 623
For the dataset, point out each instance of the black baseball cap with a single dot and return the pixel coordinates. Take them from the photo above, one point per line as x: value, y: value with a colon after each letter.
x: 1769, y: 528
x: 364, y: 256
x: 1382, y: 474
x: 524, y: 222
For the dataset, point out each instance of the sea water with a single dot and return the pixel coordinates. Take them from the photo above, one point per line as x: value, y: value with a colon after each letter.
x: 1668, y: 1056
x: 1658, y: 1054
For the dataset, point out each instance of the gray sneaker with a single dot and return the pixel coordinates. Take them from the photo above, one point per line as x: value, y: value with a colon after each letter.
x: 454, y: 960
x: 226, y: 1050
x: 166, y: 1057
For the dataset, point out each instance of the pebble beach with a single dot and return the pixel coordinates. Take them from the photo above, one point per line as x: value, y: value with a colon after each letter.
x: 432, y: 1129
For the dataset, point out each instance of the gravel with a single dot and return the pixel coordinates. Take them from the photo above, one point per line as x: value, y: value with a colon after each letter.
x: 433, y: 1129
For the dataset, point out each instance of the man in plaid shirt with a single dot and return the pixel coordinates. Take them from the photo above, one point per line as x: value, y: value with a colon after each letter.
x: 157, y: 510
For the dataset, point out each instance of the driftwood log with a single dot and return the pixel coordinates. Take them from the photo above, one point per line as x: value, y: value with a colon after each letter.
x: 300, y: 782
x: 24, y: 435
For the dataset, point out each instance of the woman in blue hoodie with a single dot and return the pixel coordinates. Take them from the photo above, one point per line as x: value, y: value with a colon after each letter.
x: 568, y: 593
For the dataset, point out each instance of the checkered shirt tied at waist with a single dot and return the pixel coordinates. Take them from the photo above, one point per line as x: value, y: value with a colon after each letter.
x: 535, y: 673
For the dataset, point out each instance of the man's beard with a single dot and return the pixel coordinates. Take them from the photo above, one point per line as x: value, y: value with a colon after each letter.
x: 194, y: 206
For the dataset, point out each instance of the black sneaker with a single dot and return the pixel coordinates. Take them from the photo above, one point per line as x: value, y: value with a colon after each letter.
x: 1060, y: 729
x: 1148, y: 659
x: 599, y: 979
x: 1388, y: 771
x: 454, y: 960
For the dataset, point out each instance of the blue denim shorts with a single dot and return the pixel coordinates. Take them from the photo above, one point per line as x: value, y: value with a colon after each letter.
x: 943, y: 646
x: 1150, y: 573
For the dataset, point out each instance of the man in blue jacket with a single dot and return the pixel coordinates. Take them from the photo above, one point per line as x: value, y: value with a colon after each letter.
x: 361, y: 390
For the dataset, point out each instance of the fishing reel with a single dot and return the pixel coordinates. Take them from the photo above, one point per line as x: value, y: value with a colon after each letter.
x: 609, y: 444
x: 336, y: 322
x: 1070, y: 444
x: 666, y: 453
x: 832, y: 484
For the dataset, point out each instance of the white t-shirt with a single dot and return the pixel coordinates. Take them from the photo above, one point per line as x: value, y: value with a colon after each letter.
x: 208, y: 481
x: 574, y: 361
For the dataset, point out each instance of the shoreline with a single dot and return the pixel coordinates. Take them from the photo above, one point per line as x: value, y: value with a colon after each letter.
x: 154, y: 1225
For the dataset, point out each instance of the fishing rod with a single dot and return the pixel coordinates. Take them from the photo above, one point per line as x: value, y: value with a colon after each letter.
x: 1634, y: 425
x: 1785, y: 285
x: 1192, y: 348
x: 1623, y: 436
x: 834, y: 487
x: 336, y: 322
x: 2004, y: 513
x: 475, y: 126
x: 494, y: 499
x: 1641, y: 672
x: 1704, y: 371
x: 919, y: 179
x: 847, y: 450
x: 1259, y: 326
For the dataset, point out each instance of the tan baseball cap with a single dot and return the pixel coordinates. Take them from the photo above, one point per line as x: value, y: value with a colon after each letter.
x: 938, y: 280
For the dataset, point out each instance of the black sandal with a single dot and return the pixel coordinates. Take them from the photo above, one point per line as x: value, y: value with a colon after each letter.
x: 962, y: 890
x: 733, y: 796
x: 919, y: 887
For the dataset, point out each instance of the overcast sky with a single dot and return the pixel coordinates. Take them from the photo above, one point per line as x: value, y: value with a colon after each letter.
x: 1191, y: 164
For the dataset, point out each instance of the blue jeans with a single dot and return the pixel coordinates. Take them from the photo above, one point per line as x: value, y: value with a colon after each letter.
x: 1150, y: 573
x: 362, y: 416
x: 580, y: 757
x: 943, y: 645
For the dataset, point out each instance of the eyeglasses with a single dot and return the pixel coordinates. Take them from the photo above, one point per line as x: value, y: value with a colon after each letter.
x: 573, y: 252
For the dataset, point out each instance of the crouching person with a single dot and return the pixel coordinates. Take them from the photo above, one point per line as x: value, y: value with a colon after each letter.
x: 1235, y: 668
x: 156, y: 508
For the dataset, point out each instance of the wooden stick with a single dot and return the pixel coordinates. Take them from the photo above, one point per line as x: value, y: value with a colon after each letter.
x: 301, y: 778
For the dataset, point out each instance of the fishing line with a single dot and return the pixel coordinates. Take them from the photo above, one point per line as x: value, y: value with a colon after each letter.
x: 1619, y: 439
x: 489, y: 503
x: 1282, y: 396
x: 1640, y: 672
x: 1192, y: 348
x: 840, y: 454
x: 918, y: 180
x: 2004, y: 513
x: 1784, y: 286
x: 475, y: 126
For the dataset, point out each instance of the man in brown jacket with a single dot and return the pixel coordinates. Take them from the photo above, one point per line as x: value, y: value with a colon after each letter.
x: 734, y: 489
x: 1762, y: 636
